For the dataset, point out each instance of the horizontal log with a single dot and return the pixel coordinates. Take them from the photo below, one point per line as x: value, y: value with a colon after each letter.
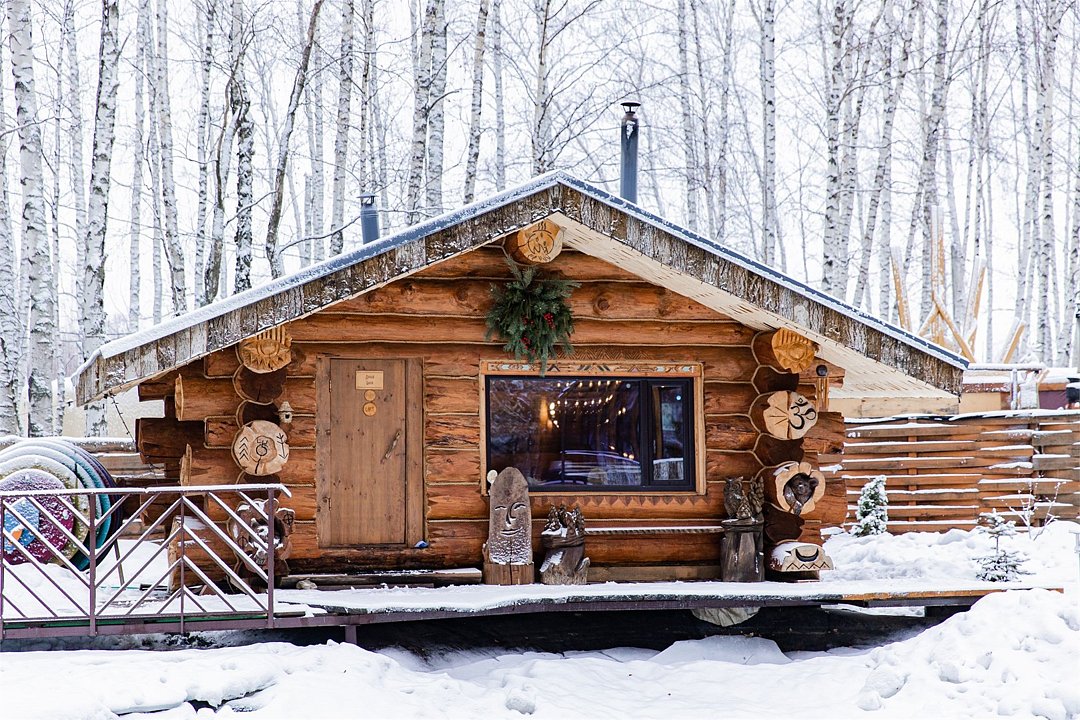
x: 198, y: 398
x: 452, y: 431
x: 451, y: 395
x: 160, y: 438
x: 489, y: 263
x: 722, y: 398
x: 216, y: 466
x: 220, y: 431
x: 469, y: 298
x: 224, y: 363
x: 398, y: 328
x: 459, y: 502
x: 723, y: 464
x: 159, y: 387
x: 771, y: 451
x: 443, y: 465
x: 730, y: 432
x: 302, y: 501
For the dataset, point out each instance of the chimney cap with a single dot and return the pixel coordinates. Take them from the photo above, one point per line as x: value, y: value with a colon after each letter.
x: 630, y: 106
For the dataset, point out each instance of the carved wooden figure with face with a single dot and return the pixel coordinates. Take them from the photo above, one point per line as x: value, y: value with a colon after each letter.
x: 798, y: 491
x: 510, y: 529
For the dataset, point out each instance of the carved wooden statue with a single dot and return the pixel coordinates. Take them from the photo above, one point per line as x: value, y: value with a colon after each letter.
x: 742, y: 559
x: 508, y: 557
x: 253, y: 528
x: 564, y: 540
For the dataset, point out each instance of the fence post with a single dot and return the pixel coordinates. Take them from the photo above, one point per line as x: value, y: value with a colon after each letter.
x: 91, y: 554
x: 270, y: 555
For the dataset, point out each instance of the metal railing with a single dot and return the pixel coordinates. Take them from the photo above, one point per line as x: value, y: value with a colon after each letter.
x: 124, y: 580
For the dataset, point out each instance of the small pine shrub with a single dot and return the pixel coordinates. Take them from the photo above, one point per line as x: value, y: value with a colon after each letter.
x: 872, y: 512
x: 1002, y: 565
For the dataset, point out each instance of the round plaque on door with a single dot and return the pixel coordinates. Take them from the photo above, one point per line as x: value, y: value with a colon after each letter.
x: 370, y: 409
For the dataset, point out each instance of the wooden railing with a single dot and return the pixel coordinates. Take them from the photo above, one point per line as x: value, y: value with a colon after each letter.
x: 942, y: 472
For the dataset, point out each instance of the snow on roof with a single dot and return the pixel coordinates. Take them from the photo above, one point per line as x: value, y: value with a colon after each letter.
x: 180, y: 339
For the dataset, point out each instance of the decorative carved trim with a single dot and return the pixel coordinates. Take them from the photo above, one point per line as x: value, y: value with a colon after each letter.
x: 266, y: 352
x: 594, y: 367
x: 261, y: 448
x: 788, y: 415
x: 793, y: 351
x: 536, y: 244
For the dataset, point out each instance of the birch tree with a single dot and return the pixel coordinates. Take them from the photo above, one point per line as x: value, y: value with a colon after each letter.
x: 208, y: 14
x: 93, y: 297
x: 277, y: 268
x: 41, y: 319
x: 436, y: 105
x: 421, y: 108
x: 174, y: 247
x: 476, y: 104
x: 343, y: 126
x: 11, y: 317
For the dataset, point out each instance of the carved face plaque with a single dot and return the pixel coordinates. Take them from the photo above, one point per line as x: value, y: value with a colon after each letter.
x: 266, y: 352
x: 510, y: 524
x: 537, y: 244
x: 793, y: 351
x: 789, y: 415
x: 261, y: 448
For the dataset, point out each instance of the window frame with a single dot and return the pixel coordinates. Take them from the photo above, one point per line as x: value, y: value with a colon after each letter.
x: 648, y: 373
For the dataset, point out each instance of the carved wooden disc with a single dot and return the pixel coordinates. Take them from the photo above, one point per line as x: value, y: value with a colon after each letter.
x: 261, y: 388
x: 537, y: 244
x: 789, y: 415
x: 266, y: 352
x: 794, y: 487
x: 792, y: 350
x: 261, y: 448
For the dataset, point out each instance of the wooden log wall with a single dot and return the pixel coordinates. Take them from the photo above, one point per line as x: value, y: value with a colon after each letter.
x: 942, y: 472
x: 438, y: 315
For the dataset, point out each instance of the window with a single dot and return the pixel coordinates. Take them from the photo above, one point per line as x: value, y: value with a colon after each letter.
x: 593, y: 433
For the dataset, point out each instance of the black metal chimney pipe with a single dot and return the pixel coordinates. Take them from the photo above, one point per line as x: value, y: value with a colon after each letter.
x: 628, y: 136
x: 369, y: 218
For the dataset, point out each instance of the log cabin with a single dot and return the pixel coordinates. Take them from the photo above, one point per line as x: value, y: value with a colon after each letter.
x: 370, y: 385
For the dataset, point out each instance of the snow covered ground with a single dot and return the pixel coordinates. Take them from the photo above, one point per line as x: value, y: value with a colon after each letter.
x: 1014, y: 654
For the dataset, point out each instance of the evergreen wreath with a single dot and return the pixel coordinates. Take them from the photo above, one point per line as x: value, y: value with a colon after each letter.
x: 531, y: 316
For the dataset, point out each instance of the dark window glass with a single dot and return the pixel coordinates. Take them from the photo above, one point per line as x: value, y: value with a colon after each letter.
x: 566, y: 433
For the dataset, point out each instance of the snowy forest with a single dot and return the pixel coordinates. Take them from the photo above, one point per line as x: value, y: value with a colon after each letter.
x: 918, y: 158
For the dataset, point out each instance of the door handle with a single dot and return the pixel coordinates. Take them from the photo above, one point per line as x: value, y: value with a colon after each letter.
x: 393, y: 444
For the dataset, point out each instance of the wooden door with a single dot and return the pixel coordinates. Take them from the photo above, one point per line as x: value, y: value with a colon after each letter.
x: 368, y: 452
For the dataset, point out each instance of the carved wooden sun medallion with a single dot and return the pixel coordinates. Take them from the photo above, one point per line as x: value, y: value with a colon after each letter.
x: 261, y: 448
x: 789, y: 415
x: 793, y: 351
x: 537, y: 244
x: 266, y: 352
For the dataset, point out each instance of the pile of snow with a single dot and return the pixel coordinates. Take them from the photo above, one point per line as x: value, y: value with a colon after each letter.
x: 1013, y: 654
x: 953, y: 555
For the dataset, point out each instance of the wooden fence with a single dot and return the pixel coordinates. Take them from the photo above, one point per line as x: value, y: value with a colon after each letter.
x: 942, y: 472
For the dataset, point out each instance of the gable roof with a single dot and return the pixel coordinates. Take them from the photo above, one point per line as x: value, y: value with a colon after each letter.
x: 878, y: 357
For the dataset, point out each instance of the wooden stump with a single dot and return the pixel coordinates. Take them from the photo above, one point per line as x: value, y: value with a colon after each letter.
x: 742, y: 557
x: 564, y: 540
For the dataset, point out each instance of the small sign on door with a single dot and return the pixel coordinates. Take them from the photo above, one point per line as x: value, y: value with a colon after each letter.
x: 369, y: 379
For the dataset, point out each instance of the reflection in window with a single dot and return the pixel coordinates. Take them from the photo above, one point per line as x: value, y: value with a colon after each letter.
x: 566, y: 433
